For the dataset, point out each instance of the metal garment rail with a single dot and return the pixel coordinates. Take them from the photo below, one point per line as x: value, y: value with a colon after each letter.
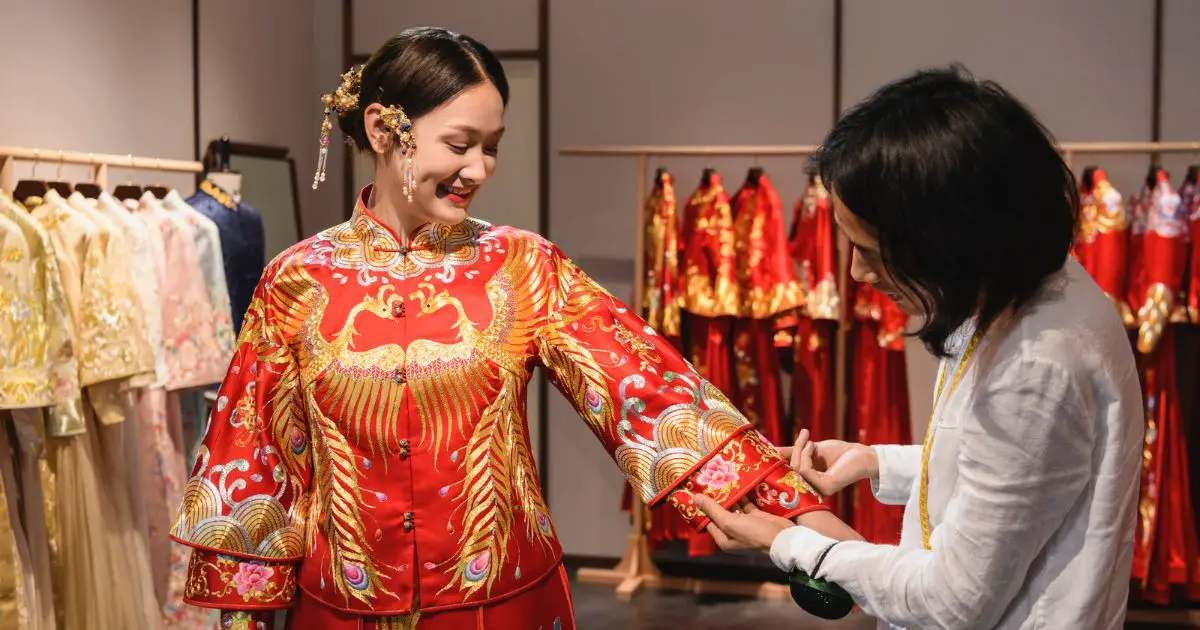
x: 636, y: 568
x: 98, y: 161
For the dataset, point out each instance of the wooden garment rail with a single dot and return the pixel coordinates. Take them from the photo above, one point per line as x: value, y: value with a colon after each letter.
x: 636, y: 569
x: 100, y: 162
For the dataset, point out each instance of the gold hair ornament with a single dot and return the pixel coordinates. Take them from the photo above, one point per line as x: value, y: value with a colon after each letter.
x: 397, y: 122
x: 343, y: 100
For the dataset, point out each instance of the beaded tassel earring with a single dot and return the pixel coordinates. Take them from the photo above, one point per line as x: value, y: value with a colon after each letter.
x: 398, y: 123
x: 323, y: 155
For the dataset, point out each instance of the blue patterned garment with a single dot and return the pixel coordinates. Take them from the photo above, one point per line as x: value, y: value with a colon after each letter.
x: 243, y: 243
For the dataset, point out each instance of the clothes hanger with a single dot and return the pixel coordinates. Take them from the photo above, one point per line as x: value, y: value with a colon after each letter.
x: 32, y: 187
x: 706, y: 176
x: 128, y: 190
x: 1193, y: 172
x: 658, y: 177
x: 158, y: 190
x: 1087, y: 179
x: 1154, y: 174
x: 63, y: 188
x: 91, y: 190
x: 753, y: 176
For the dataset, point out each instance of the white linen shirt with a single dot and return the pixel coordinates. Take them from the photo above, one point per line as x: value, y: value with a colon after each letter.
x: 1033, y: 481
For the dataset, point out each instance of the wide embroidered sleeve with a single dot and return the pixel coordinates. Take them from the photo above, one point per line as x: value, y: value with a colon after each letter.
x: 245, y: 506
x: 670, y: 431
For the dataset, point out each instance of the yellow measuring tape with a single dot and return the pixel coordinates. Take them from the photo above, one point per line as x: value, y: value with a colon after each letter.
x: 926, y: 529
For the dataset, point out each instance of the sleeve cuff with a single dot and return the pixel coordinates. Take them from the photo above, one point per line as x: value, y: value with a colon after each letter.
x: 231, y: 583
x: 798, y: 548
x: 895, y: 481
x: 737, y: 469
x: 785, y: 493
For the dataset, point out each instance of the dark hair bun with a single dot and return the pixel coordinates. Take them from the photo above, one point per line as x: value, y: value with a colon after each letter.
x: 419, y: 70
x: 351, y: 124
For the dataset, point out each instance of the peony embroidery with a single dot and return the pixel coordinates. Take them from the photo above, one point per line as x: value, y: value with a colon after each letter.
x: 252, y: 578
x: 717, y: 473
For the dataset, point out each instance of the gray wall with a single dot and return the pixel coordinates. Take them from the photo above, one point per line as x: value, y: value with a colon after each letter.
x: 664, y: 72
x: 257, y: 85
x: 99, y: 77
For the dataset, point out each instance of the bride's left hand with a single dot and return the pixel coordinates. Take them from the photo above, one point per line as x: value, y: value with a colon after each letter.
x: 748, y: 528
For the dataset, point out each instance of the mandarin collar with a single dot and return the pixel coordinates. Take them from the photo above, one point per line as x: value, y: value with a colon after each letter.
x: 383, y: 238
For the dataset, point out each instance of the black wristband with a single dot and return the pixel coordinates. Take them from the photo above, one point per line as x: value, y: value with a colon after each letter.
x: 821, y: 558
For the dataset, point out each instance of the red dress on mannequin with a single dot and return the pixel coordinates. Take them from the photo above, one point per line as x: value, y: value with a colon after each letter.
x: 813, y: 249
x: 879, y: 412
x: 1165, y: 544
x: 368, y: 459
x: 769, y: 296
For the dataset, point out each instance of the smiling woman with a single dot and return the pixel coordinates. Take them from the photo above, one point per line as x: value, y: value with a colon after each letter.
x: 430, y: 108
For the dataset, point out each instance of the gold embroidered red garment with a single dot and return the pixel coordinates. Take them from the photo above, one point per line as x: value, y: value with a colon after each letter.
x: 814, y: 252
x: 663, y: 282
x: 369, y: 443
x: 709, y: 271
x: 768, y: 298
x: 766, y: 282
x: 879, y: 412
x: 1165, y: 545
x: 1189, y: 194
x: 710, y: 302
x: 1103, y: 241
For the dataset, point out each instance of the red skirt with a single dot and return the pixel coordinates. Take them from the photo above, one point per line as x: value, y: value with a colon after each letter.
x: 546, y: 606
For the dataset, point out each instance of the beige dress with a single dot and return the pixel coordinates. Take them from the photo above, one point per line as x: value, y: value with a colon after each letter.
x: 20, y: 383
x: 45, y: 341
x: 97, y: 537
x: 150, y: 401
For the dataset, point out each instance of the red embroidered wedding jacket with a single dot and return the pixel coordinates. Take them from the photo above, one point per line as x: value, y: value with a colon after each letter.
x: 370, y: 446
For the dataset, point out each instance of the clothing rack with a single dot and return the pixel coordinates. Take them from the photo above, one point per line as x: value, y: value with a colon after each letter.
x: 100, y: 162
x: 636, y: 569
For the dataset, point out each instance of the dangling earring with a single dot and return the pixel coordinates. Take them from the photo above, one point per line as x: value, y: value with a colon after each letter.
x: 398, y: 123
x: 323, y: 156
x: 409, y: 175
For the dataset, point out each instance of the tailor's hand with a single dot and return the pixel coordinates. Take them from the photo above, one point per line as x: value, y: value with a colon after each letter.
x: 830, y: 465
x: 746, y: 528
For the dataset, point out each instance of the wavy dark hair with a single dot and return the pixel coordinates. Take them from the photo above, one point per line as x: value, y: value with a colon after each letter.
x: 419, y: 70
x: 970, y: 200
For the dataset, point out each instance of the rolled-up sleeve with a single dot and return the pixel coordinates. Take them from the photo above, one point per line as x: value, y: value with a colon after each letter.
x: 899, y: 465
x: 1024, y: 459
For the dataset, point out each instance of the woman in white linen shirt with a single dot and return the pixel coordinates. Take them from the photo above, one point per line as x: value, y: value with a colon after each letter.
x: 1020, y: 506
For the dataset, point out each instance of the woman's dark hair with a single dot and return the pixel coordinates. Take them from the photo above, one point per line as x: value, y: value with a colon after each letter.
x: 972, y: 204
x: 419, y: 70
